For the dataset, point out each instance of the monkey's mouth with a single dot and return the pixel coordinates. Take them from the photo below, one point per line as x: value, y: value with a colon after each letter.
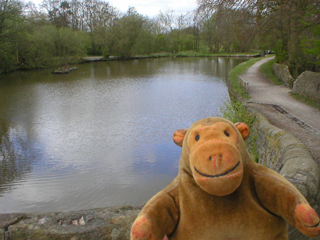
x: 218, y: 175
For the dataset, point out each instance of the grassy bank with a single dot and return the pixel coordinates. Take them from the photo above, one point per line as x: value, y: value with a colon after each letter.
x: 198, y: 54
x: 306, y: 100
x: 234, y: 74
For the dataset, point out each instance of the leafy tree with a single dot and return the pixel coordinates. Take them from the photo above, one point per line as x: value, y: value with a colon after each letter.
x: 98, y: 17
x: 39, y: 48
x: 11, y: 27
x: 210, y: 35
x: 125, y: 33
x: 310, y: 44
x: 176, y: 32
x: 284, y: 22
x: 160, y: 43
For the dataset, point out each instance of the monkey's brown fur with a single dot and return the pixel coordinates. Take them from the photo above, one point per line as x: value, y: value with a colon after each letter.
x: 221, y: 194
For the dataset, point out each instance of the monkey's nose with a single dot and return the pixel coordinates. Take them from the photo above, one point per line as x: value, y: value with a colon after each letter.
x: 216, y: 161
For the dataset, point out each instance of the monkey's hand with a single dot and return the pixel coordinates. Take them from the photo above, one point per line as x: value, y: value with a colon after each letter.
x: 307, y: 220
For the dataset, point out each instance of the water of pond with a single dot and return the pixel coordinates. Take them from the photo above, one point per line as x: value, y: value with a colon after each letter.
x: 100, y: 136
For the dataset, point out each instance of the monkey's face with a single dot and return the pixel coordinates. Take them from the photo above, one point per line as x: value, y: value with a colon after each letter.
x: 214, y: 157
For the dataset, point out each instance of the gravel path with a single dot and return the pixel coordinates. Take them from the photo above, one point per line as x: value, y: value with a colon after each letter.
x: 284, y: 111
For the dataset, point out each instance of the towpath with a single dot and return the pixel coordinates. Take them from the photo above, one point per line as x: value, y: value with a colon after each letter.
x: 284, y: 111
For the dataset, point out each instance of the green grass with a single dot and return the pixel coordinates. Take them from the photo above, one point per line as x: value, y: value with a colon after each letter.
x: 208, y: 54
x: 236, y: 72
x: 161, y: 54
x: 306, y: 100
x: 235, y: 111
x: 267, y: 70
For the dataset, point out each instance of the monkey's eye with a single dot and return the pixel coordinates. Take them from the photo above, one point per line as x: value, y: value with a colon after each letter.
x: 226, y: 133
x: 197, y: 137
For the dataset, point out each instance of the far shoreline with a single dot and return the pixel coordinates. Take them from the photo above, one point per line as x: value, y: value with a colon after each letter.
x: 58, y: 63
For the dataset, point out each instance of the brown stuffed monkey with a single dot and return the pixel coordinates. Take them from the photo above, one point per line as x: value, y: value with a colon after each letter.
x: 221, y: 194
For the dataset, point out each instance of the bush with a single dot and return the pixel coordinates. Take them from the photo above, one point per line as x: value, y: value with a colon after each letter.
x: 235, y: 111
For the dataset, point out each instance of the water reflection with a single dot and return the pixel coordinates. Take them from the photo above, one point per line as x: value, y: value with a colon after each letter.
x: 100, y: 136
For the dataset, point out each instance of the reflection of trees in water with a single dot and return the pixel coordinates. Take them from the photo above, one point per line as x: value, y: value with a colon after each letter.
x: 15, y: 160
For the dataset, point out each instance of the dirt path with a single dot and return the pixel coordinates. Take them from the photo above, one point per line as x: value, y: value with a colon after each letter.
x: 284, y: 111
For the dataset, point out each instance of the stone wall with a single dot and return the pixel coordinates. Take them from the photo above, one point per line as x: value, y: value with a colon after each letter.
x: 284, y: 153
x: 283, y: 73
x: 308, y: 84
x: 105, y: 223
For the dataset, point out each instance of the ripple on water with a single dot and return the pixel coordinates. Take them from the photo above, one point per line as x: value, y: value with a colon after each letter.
x: 101, y: 136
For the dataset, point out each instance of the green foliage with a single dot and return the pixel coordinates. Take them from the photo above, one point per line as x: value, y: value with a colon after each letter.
x: 124, y: 34
x: 270, y: 25
x: 144, y: 43
x: 311, y: 45
x: 72, y: 43
x: 39, y: 48
x: 229, y: 29
x: 160, y: 43
x: 235, y: 111
x: 8, y: 59
x: 307, y: 100
x: 11, y: 31
x: 49, y: 46
x: 281, y: 52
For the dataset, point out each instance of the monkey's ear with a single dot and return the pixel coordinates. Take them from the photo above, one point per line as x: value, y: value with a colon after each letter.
x: 244, y: 129
x: 178, y: 136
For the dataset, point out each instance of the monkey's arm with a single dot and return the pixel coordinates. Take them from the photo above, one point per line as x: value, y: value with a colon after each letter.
x: 280, y: 197
x: 159, y: 216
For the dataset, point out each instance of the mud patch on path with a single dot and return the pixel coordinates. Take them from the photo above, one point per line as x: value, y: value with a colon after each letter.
x: 288, y: 115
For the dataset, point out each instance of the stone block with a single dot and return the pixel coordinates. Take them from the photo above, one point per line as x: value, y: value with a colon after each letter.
x: 308, y: 84
x: 283, y: 73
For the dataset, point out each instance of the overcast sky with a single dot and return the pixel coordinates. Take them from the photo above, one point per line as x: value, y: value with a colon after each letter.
x: 152, y: 7
x: 149, y: 7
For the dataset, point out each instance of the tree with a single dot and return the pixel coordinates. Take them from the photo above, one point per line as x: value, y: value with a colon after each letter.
x: 166, y: 21
x: 98, y: 16
x: 283, y: 22
x: 310, y: 44
x: 58, y: 12
x: 177, y: 32
x: 126, y: 32
x: 227, y: 28
x: 210, y: 35
x: 11, y: 28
